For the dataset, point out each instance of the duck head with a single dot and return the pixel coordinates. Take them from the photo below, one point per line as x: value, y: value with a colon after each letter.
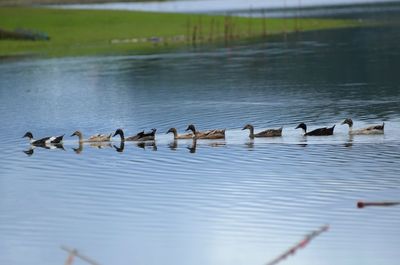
x: 119, y: 132
x: 28, y: 134
x: 171, y: 130
x: 191, y: 128
x: 302, y: 126
x: 76, y: 133
x: 248, y: 126
x: 348, y: 121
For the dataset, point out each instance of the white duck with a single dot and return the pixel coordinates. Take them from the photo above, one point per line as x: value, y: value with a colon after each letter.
x: 373, y: 129
x: 93, y: 138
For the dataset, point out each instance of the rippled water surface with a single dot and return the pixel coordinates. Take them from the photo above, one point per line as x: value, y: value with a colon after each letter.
x: 196, y: 6
x: 219, y: 202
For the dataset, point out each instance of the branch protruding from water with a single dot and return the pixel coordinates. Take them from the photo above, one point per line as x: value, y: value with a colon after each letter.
x: 301, y: 244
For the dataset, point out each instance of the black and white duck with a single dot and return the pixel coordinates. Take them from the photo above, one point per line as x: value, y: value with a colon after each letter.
x: 141, y: 136
x: 43, y: 141
x: 150, y: 136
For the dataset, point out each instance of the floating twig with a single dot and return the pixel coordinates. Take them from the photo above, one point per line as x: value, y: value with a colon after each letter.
x: 301, y: 244
x: 73, y: 253
x: 362, y: 204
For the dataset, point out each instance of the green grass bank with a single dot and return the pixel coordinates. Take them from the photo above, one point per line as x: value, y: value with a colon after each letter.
x: 90, y: 32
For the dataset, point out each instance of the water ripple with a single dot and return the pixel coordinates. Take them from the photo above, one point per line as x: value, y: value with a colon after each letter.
x: 209, y: 202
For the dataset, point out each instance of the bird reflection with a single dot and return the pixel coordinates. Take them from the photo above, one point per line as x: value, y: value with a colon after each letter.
x: 250, y: 144
x: 193, y: 146
x: 349, y: 142
x: 79, y: 149
x: 173, y: 145
x: 217, y: 144
x: 98, y: 145
x: 120, y: 148
x: 30, y: 151
x: 146, y: 144
x: 303, y: 142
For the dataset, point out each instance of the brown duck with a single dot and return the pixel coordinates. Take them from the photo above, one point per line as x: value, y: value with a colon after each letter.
x: 211, y: 134
x: 180, y: 136
x: 266, y: 133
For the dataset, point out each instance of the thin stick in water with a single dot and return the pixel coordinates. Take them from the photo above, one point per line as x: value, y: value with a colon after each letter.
x: 362, y: 204
x: 301, y: 244
x: 74, y: 252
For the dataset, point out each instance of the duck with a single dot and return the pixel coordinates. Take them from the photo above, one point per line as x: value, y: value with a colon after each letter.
x: 136, y: 137
x: 266, y: 133
x: 373, y: 129
x: 150, y: 136
x: 93, y: 138
x: 140, y: 136
x: 180, y: 136
x: 43, y: 141
x: 211, y: 134
x: 317, y: 132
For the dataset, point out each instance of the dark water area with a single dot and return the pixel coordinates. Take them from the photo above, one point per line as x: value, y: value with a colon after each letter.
x: 387, y: 11
x: 216, y: 202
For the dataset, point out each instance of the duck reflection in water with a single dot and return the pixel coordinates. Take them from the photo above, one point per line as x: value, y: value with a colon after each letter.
x: 193, y: 146
x: 250, y: 144
x: 30, y: 151
x: 119, y: 148
x: 217, y: 144
x: 97, y: 145
x: 303, y: 142
x: 349, y: 142
x: 146, y: 144
x: 173, y: 145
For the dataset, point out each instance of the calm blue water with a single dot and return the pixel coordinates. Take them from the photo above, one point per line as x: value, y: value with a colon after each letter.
x: 216, y: 202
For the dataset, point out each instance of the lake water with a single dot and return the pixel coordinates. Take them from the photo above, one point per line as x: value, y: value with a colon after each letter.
x: 234, y: 201
x: 223, y: 6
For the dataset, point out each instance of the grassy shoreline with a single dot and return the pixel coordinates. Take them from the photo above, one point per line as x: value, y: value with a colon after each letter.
x: 91, y: 32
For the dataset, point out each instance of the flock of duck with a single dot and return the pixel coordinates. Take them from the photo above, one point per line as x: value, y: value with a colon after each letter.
x: 195, y: 134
